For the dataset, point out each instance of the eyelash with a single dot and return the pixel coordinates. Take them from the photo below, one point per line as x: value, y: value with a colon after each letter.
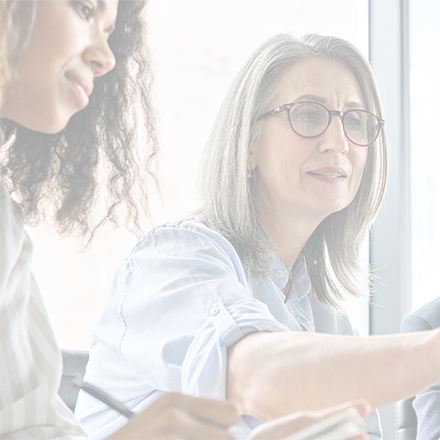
x: 80, y: 6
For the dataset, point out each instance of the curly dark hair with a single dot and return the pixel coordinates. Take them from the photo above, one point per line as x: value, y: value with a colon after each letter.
x: 111, y: 144
x: 5, y: 24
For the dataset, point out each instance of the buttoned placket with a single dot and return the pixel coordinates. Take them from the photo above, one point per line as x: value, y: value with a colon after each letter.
x: 297, y: 302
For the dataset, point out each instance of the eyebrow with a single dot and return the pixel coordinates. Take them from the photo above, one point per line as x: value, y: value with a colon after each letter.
x: 102, y: 6
x: 322, y: 100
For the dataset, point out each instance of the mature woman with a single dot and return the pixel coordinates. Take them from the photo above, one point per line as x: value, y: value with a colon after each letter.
x: 235, y: 303
x: 190, y: 289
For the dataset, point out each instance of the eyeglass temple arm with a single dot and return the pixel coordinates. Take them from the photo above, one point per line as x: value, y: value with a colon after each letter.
x: 275, y: 110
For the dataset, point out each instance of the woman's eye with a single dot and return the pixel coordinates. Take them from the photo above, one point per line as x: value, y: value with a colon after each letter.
x: 309, y: 116
x: 353, y: 122
x: 85, y: 9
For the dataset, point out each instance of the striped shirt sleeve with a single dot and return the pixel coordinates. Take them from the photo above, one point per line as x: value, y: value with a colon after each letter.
x: 30, y: 361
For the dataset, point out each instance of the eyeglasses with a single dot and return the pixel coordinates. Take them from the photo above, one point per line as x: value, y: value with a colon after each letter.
x: 311, y: 119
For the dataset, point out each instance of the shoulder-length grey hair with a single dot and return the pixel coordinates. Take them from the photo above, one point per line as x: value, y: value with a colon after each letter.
x: 332, y: 253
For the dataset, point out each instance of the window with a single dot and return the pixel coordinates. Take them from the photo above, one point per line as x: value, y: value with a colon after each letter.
x: 424, y: 111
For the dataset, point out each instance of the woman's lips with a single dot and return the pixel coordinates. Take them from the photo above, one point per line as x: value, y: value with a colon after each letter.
x: 82, y: 88
x: 329, y: 174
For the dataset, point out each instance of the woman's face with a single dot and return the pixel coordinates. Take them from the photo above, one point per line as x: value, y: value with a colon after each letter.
x: 68, y: 49
x: 309, y: 178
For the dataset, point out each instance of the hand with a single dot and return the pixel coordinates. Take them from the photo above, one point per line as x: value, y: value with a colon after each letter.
x: 175, y: 416
x: 282, y: 427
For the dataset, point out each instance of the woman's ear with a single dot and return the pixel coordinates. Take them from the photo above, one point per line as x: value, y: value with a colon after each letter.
x: 252, y: 160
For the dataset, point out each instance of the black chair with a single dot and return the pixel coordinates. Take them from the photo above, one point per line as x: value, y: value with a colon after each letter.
x: 74, y: 364
x: 406, y: 419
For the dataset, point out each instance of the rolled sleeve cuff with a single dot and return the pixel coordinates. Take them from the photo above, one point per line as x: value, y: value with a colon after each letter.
x: 246, y: 316
x: 205, y: 365
x: 204, y: 368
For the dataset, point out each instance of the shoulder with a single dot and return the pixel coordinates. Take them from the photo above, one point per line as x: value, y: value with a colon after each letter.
x: 11, y: 225
x: 187, y: 224
x: 185, y: 238
x: 180, y: 232
x: 8, y: 206
x: 425, y: 318
x: 3, y: 192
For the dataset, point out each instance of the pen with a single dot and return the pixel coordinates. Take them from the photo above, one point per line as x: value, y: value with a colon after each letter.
x: 102, y: 396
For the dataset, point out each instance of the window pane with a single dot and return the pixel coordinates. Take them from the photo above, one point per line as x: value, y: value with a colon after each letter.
x: 425, y: 149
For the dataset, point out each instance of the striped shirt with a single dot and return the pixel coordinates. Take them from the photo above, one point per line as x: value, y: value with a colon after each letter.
x: 30, y: 361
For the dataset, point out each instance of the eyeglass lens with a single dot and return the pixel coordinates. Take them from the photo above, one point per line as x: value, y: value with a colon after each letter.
x: 309, y: 120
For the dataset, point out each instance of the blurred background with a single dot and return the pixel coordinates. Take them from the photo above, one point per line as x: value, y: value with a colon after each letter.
x: 198, y: 46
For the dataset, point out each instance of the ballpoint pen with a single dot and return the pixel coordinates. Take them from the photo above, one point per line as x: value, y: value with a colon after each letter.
x: 102, y: 396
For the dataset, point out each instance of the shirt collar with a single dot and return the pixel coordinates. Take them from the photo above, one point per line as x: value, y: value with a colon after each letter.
x: 301, y: 281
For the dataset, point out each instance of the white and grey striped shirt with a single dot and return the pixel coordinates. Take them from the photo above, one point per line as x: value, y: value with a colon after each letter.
x: 30, y: 361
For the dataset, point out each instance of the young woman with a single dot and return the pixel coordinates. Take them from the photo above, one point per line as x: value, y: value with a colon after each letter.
x: 74, y: 87
x: 70, y: 69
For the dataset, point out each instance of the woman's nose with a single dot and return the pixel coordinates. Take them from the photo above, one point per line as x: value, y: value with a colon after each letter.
x: 99, y: 55
x: 333, y: 140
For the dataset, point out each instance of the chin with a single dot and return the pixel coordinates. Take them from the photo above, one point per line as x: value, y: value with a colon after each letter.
x: 51, y: 129
x: 330, y: 209
x: 49, y: 119
x: 48, y: 125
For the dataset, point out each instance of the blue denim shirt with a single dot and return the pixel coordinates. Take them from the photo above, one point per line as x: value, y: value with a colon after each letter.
x: 179, y: 300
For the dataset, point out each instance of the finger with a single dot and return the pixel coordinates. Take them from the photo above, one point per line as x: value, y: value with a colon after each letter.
x: 306, y: 418
x: 363, y: 407
x: 287, y: 425
x: 360, y: 437
x: 178, y: 423
x: 215, y: 412
x: 197, y: 430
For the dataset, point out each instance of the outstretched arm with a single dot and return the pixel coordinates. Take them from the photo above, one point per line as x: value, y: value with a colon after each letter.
x: 274, y: 374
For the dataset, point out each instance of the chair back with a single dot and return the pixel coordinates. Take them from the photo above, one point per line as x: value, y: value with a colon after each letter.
x: 74, y: 364
x: 406, y: 419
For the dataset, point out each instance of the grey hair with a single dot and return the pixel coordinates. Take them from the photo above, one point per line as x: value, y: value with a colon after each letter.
x: 333, y: 252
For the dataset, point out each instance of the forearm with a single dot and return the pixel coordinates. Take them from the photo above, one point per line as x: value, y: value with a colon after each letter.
x: 273, y: 374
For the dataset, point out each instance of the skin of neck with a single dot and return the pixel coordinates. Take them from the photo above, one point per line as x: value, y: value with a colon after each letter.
x: 288, y: 230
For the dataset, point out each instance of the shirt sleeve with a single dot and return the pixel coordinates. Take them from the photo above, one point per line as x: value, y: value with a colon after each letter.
x: 427, y: 403
x: 30, y: 362
x: 186, y: 302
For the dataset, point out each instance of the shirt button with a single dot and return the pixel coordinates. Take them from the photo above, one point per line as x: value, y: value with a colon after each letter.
x: 279, y: 274
x: 214, y: 311
x: 290, y: 310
